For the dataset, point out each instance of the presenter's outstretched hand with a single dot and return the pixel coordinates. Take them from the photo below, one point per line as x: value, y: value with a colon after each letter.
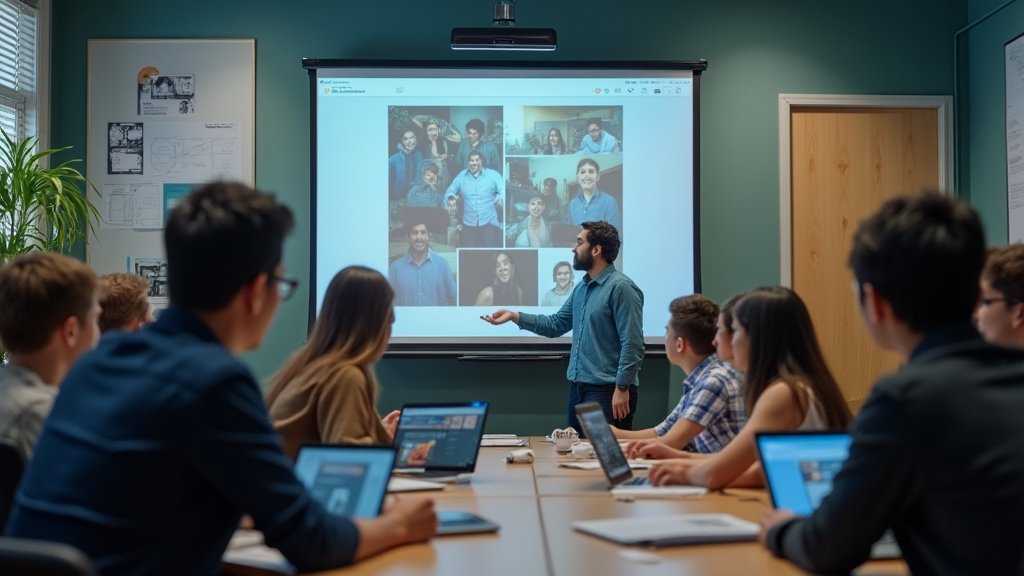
x: 501, y: 316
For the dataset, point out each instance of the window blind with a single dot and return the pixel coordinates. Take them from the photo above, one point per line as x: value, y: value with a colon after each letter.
x: 18, y: 67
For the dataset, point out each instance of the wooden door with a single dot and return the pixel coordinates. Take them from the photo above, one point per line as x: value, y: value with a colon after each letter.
x: 846, y: 161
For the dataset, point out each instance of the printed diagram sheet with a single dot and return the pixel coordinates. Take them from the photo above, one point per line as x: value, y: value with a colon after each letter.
x: 154, y: 270
x: 193, y: 151
x: 166, y: 94
x: 124, y: 148
x: 132, y: 206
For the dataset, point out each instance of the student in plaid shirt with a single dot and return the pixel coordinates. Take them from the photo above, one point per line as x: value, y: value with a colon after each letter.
x: 710, y: 412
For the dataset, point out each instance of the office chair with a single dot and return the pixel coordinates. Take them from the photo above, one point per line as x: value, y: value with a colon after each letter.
x: 26, y: 557
x: 11, y: 466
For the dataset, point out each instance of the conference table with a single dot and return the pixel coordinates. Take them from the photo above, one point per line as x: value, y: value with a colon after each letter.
x: 536, y: 504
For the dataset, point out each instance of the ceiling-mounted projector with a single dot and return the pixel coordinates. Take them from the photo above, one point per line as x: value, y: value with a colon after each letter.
x: 503, y: 38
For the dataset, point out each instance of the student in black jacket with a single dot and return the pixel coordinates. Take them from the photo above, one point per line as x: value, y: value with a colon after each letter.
x: 937, y: 448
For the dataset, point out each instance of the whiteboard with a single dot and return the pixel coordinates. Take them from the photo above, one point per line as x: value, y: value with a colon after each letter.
x: 1015, y: 138
x: 163, y: 117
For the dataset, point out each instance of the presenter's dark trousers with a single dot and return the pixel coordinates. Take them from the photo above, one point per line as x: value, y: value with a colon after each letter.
x: 486, y: 236
x: 602, y: 394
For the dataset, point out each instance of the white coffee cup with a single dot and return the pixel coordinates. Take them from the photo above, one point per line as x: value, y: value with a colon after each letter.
x: 582, y: 451
x: 564, y: 444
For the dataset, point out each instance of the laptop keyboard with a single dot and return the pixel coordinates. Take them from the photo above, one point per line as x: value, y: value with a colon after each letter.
x: 636, y: 481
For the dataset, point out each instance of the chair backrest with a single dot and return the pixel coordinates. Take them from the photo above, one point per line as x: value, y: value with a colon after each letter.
x: 11, y: 466
x: 26, y: 557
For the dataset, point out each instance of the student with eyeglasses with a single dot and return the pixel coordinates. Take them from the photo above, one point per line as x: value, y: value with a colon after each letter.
x: 1000, y: 312
x: 159, y: 441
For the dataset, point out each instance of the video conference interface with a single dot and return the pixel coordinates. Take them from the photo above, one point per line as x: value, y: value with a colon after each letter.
x: 467, y: 187
x: 439, y: 437
x: 346, y: 481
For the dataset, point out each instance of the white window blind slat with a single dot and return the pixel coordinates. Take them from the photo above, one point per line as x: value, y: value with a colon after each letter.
x: 18, y: 23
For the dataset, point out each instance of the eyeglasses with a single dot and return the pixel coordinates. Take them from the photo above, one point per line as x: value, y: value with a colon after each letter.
x: 285, y: 286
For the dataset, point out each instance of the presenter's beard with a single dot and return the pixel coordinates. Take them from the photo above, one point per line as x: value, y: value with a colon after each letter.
x: 585, y: 263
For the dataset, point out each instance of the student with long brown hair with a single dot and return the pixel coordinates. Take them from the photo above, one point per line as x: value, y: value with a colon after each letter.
x: 327, y: 391
x: 787, y: 386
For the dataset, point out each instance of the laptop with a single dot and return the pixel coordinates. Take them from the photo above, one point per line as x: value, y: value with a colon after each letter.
x: 439, y: 441
x: 348, y: 480
x: 613, y: 461
x: 799, y: 468
x: 352, y: 481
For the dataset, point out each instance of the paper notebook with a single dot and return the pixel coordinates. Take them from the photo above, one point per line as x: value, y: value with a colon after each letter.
x: 671, y: 530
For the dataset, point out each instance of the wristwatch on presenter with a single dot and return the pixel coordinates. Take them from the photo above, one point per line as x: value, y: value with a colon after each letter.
x: 622, y: 386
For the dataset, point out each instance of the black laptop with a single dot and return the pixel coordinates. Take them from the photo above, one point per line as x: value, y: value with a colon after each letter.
x: 439, y: 441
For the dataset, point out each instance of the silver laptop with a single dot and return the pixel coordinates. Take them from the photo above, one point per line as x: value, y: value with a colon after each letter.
x: 613, y: 461
x: 439, y: 441
x: 799, y: 468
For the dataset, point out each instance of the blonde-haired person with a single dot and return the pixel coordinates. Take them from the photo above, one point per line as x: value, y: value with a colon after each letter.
x: 124, y: 299
x: 327, y: 391
x: 787, y: 386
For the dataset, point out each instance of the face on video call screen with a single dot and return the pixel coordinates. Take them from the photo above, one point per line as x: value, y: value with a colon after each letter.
x: 490, y: 171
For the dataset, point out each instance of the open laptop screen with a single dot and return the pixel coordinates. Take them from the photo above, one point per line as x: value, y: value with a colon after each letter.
x: 440, y: 436
x: 799, y: 467
x: 606, y: 447
x: 348, y: 480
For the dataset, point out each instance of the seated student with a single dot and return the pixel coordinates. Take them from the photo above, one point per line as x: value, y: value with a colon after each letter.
x: 787, y: 386
x: 1001, y: 305
x: 124, y: 299
x: 710, y: 412
x: 48, y: 312
x: 326, y: 393
x: 159, y: 441
x: 936, y: 451
x: 654, y: 448
x: 723, y: 328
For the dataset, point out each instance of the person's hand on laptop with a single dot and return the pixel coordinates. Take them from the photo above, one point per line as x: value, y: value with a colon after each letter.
x: 390, y: 422
x: 674, y: 471
x: 770, y: 519
x: 652, y: 448
x: 403, y: 521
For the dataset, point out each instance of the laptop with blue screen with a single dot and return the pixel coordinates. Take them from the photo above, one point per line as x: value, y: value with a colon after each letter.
x: 799, y: 468
x: 439, y: 441
x: 348, y: 480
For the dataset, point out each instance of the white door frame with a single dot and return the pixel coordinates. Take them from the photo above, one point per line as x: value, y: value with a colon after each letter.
x: 944, y: 105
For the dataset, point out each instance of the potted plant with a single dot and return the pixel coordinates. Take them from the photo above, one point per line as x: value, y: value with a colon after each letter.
x: 41, y: 208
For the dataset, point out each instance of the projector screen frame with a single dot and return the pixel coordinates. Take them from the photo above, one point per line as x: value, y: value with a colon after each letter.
x: 531, y: 348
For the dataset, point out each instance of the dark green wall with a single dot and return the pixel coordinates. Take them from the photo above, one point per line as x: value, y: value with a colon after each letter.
x: 755, y: 49
x: 983, y: 116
